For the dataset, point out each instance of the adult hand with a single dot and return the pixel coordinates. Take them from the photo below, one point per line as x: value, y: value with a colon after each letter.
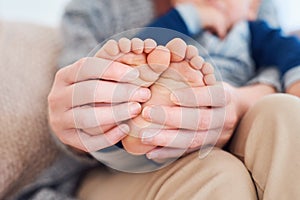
x: 89, y: 98
x: 204, y: 116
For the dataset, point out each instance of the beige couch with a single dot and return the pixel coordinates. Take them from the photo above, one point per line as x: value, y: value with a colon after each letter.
x: 28, y: 55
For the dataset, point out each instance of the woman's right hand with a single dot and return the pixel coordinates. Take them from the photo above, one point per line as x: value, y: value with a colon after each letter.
x: 90, y: 98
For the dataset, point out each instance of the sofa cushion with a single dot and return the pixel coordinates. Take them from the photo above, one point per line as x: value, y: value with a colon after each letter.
x: 28, y: 56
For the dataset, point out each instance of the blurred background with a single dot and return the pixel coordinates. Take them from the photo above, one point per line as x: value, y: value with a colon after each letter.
x: 35, y: 11
x: 49, y: 12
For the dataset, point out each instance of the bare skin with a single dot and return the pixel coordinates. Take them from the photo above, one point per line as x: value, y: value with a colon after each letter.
x: 96, y: 72
x: 186, y: 69
x: 87, y: 82
x: 294, y: 89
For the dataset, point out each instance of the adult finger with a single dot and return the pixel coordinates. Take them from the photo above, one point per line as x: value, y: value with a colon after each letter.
x: 164, y: 154
x: 90, y: 117
x: 215, y: 96
x: 104, y: 92
x: 80, y: 140
x: 186, y: 118
x: 182, y: 139
x: 100, y: 129
x: 96, y: 68
x: 161, y: 154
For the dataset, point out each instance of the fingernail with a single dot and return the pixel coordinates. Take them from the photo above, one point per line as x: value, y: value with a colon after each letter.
x: 142, y: 94
x: 152, y: 155
x: 146, y: 113
x: 132, y: 74
x: 134, y: 108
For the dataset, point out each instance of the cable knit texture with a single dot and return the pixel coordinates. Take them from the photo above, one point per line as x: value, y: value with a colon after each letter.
x: 27, y: 66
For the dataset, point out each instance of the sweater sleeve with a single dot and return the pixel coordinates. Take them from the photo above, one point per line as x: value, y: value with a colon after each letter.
x: 84, y: 25
x: 269, y: 47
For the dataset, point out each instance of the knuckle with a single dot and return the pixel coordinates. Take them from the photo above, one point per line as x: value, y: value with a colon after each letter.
x: 70, y: 138
x: 196, y: 142
x: 204, y: 122
x: 231, y: 121
x: 81, y: 122
x: 124, y: 91
x: 52, y: 98
x: 62, y: 137
x: 59, y: 135
x: 128, y: 89
x: 77, y: 65
x: 161, y: 141
x: 85, y: 119
x: 55, y: 123
x: 81, y: 62
x: 59, y: 74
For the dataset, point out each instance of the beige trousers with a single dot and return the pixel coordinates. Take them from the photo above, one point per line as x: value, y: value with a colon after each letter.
x: 267, y: 141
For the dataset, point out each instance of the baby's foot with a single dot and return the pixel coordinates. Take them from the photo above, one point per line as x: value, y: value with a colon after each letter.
x: 151, y: 61
x: 186, y: 69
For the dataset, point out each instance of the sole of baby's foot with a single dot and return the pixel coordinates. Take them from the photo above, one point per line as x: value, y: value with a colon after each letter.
x: 187, y: 69
x: 151, y: 60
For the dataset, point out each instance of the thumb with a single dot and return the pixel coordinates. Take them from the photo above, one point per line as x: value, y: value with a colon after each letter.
x: 221, y: 30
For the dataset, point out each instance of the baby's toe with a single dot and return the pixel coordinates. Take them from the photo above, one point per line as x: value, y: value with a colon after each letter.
x: 150, y: 45
x: 159, y: 59
x: 137, y: 46
x: 125, y: 45
x: 177, y: 48
x: 191, y: 52
x: 208, y: 74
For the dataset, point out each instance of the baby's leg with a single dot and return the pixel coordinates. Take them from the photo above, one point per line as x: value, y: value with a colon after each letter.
x: 151, y: 61
x: 186, y: 69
